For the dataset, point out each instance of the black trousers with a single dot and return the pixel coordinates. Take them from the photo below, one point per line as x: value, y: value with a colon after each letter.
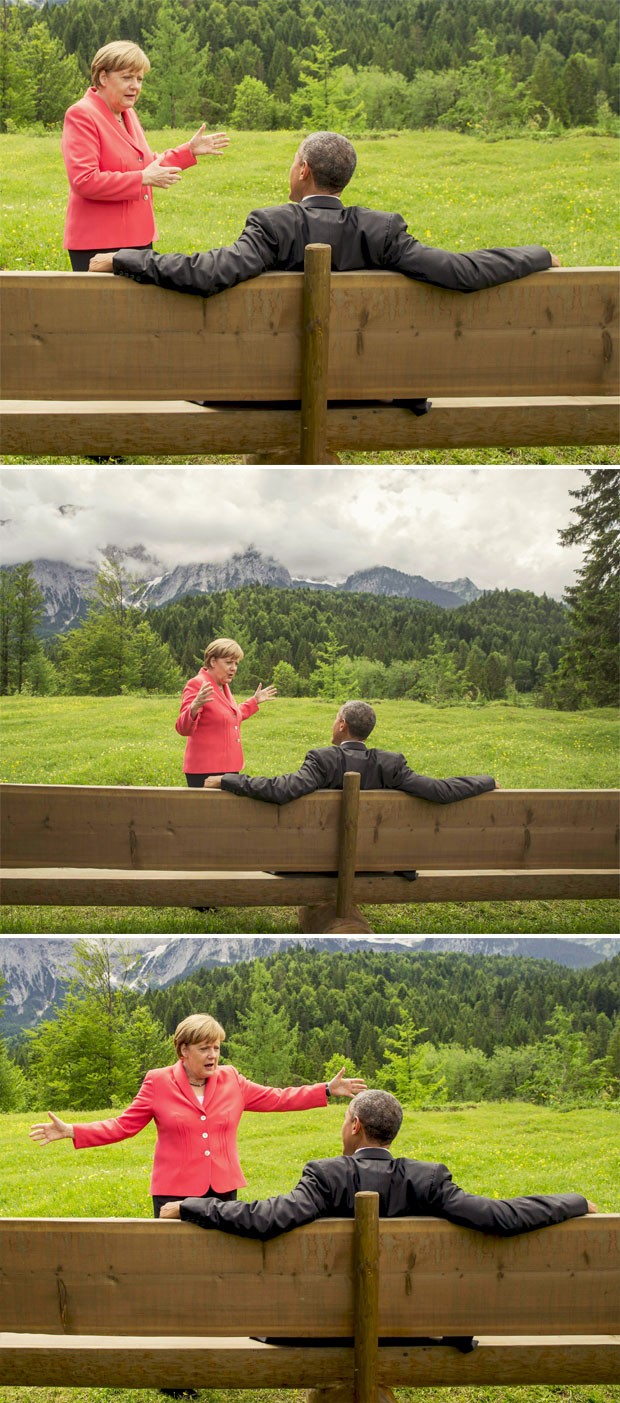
x: 160, y: 1199
x: 80, y: 257
x: 196, y: 781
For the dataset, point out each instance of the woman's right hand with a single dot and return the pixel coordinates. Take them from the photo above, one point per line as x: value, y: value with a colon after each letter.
x: 163, y: 176
x: 204, y: 695
x: 44, y: 1134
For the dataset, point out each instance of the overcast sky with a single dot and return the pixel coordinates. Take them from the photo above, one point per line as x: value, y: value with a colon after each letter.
x: 498, y: 526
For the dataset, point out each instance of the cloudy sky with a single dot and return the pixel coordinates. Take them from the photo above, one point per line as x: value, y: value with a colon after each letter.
x: 498, y: 526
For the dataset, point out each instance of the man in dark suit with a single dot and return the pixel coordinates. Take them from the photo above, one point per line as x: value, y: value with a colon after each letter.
x: 274, y: 239
x: 379, y: 769
x: 406, y: 1188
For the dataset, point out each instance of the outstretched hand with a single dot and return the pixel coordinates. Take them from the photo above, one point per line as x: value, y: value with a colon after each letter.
x: 263, y: 694
x: 44, y: 1134
x: 346, y: 1086
x: 205, y: 144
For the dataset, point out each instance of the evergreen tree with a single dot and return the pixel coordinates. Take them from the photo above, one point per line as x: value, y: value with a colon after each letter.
x: 591, y: 654
x: 173, y: 90
x: 21, y: 607
x: 265, y: 1045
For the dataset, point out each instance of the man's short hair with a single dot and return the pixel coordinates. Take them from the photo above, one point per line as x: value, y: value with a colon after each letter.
x: 380, y: 1114
x: 331, y: 158
x: 360, y: 718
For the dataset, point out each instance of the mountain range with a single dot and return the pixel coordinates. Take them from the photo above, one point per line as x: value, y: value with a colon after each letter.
x: 37, y: 971
x: 66, y: 588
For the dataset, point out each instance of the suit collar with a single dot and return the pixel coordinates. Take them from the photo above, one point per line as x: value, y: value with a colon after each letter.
x: 323, y: 201
x: 353, y: 745
x: 373, y: 1152
x: 181, y: 1079
x: 128, y: 130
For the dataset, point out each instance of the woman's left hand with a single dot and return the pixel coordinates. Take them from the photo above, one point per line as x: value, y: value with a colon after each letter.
x: 263, y: 694
x: 203, y: 144
x: 346, y: 1086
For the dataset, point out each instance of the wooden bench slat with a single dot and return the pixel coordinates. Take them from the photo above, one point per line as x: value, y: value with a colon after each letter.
x: 76, y: 886
x: 169, y: 828
x: 181, y: 428
x: 47, y: 1360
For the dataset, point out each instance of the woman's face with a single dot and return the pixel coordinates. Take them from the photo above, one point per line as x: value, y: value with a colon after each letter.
x: 222, y: 670
x: 120, y: 89
x: 200, y: 1059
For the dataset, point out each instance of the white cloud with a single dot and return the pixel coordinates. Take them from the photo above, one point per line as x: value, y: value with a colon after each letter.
x: 499, y: 526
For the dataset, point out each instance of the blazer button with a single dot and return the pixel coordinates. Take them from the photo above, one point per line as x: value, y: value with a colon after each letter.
x: 205, y: 1135
x: 203, y: 1117
x: 207, y: 1152
x: 145, y: 197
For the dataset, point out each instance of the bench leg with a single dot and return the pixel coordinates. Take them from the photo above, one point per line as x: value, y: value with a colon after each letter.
x: 324, y: 920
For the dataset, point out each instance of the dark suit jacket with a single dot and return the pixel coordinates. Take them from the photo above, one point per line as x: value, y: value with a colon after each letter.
x: 275, y: 239
x: 406, y: 1188
x: 379, y: 769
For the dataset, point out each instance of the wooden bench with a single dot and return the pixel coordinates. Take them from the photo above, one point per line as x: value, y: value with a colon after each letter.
x: 299, y: 366
x: 130, y: 1303
x: 95, y: 845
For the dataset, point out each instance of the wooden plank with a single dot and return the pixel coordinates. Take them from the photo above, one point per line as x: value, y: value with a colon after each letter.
x: 89, y: 886
x: 153, y: 427
x: 205, y: 830
x: 552, y: 333
x: 47, y: 1360
x: 131, y: 1276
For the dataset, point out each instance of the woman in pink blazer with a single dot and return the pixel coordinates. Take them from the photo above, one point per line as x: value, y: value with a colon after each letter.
x: 111, y: 168
x: 211, y: 718
x: 196, y: 1106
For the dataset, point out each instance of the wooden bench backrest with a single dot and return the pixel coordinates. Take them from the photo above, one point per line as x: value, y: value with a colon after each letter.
x: 169, y: 829
x: 73, y: 336
x: 137, y: 1277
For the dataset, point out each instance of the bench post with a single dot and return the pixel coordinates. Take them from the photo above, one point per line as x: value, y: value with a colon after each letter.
x: 349, y: 818
x: 315, y: 353
x: 366, y: 1266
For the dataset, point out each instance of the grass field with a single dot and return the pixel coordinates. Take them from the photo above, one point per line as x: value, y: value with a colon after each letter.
x: 454, y: 191
x: 131, y: 740
x: 496, y: 1150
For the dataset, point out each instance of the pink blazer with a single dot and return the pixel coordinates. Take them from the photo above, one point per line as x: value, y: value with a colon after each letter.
x: 108, y: 205
x: 214, y: 737
x: 196, y: 1145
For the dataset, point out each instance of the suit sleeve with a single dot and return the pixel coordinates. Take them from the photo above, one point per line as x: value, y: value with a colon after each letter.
x: 504, y: 1216
x: 282, y: 789
x: 130, y: 1122
x: 204, y: 274
x: 264, y: 1218
x: 463, y: 272
x: 440, y: 791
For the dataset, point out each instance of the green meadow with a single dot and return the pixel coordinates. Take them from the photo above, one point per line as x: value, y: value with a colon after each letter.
x: 131, y: 740
x: 454, y: 191
x: 498, y: 1150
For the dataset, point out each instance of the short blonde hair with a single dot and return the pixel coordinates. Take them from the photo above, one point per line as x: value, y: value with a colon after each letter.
x: 223, y: 648
x: 198, y: 1028
x: 119, y: 57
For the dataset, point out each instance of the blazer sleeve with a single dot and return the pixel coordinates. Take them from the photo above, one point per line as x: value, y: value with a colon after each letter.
x: 255, y: 252
x: 440, y: 791
x: 81, y: 152
x: 248, y: 708
x: 503, y: 1216
x: 177, y: 156
x: 463, y: 272
x: 185, y: 723
x: 271, y: 1098
x: 282, y: 789
x: 264, y: 1218
x: 130, y: 1122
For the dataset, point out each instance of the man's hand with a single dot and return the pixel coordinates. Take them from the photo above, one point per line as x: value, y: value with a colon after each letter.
x: 171, y: 1210
x: 592, y: 1208
x: 44, y: 1134
x: 101, y: 263
x: 555, y: 262
x: 346, y: 1086
x: 263, y: 694
x: 203, y: 144
x: 212, y: 782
